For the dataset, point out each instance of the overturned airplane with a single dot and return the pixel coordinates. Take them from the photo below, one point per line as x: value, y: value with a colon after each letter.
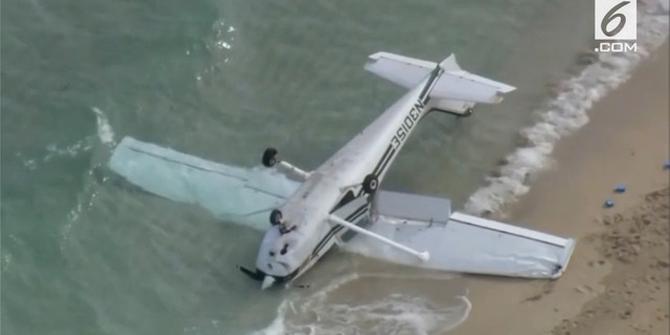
x: 309, y: 212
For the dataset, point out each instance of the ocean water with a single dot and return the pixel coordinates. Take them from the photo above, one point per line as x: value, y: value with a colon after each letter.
x: 84, y: 254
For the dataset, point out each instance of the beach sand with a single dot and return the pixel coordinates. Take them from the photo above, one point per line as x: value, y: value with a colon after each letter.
x: 617, y: 280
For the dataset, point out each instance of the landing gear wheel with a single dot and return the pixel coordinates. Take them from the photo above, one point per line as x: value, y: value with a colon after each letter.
x: 269, y: 157
x: 275, y: 217
x: 370, y: 184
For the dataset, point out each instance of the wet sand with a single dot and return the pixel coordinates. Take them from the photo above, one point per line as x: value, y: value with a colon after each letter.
x: 617, y: 281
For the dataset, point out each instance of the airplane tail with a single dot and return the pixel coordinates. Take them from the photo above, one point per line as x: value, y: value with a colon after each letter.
x: 456, y: 91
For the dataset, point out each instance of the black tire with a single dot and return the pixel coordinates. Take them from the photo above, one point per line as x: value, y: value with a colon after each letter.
x: 269, y: 157
x: 275, y: 217
x: 370, y: 184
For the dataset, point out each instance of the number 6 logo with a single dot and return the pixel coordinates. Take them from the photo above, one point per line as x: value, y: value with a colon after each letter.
x: 615, y: 19
x: 611, y: 15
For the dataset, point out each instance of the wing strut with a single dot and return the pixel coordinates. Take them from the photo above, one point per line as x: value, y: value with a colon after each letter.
x: 423, y: 256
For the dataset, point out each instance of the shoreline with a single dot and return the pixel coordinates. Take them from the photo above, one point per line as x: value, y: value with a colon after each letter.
x: 626, y: 141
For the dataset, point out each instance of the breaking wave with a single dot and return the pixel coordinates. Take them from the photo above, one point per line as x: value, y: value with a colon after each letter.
x: 567, y: 112
x: 104, y: 129
x: 394, y: 313
x: 105, y: 137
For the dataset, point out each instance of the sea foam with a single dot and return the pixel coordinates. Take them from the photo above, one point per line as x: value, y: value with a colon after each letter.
x: 567, y: 112
x: 396, y: 313
x: 105, y: 135
x: 104, y: 129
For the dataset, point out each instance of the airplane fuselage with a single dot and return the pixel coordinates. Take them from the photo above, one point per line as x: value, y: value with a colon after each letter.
x: 334, y: 186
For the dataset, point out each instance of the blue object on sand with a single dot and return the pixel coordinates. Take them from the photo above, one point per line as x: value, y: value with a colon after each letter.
x: 608, y: 203
x: 666, y: 166
x: 620, y: 188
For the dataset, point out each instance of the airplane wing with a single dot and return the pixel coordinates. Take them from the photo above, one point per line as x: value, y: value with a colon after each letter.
x: 459, y: 242
x: 241, y: 195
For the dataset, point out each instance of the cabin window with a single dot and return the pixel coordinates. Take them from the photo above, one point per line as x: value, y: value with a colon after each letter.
x: 349, y: 196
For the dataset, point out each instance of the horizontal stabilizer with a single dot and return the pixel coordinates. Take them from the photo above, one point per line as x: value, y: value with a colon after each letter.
x: 400, y: 70
x: 456, y: 90
x: 467, y: 244
x: 464, y: 86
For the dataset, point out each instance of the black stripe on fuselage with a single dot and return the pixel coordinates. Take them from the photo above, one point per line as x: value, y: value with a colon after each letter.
x: 379, y: 164
x: 336, y: 230
x: 356, y: 214
x: 352, y: 217
x: 385, y: 163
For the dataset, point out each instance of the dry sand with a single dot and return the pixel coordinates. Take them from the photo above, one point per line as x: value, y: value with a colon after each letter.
x: 617, y: 281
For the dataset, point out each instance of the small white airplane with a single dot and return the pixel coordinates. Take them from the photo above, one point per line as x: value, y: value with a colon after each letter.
x: 312, y: 211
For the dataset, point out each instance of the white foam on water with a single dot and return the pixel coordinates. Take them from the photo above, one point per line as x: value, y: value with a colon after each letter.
x: 105, y: 132
x: 105, y: 135
x: 55, y: 151
x: 85, y: 199
x: 567, y: 112
x: 221, y: 46
x: 396, y: 313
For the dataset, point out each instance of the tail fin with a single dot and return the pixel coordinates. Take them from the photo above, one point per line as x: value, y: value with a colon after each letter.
x: 456, y: 91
